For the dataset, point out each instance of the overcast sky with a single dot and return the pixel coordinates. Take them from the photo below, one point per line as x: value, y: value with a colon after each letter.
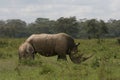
x: 29, y: 10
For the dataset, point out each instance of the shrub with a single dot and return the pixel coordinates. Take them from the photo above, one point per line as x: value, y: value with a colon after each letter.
x: 95, y: 63
x: 3, y: 43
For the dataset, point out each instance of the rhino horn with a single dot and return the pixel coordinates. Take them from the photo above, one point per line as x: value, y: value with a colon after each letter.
x: 78, y: 59
x: 86, y: 58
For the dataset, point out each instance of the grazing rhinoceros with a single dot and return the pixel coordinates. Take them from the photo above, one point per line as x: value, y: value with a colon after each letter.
x: 48, y: 45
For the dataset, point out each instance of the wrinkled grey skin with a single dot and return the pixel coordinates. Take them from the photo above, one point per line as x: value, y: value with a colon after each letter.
x: 52, y: 44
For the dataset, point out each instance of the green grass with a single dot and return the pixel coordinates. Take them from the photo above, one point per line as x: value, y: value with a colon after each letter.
x: 104, y: 65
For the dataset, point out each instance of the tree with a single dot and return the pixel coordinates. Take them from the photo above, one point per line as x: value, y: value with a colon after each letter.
x: 67, y: 25
x: 103, y: 28
x: 15, y: 28
x: 2, y: 28
x: 41, y: 20
x: 114, y: 28
x: 96, y: 29
x: 41, y: 25
x: 92, y: 28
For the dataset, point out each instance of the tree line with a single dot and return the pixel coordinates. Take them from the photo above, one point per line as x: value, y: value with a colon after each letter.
x: 82, y: 28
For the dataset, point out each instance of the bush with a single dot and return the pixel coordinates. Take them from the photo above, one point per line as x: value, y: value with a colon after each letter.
x: 5, y: 55
x: 96, y: 63
x: 3, y: 43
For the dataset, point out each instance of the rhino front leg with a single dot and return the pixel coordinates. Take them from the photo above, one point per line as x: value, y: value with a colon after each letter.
x: 63, y: 57
x: 33, y: 56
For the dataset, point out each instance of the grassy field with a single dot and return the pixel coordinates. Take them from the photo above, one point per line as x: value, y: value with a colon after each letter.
x: 104, y: 65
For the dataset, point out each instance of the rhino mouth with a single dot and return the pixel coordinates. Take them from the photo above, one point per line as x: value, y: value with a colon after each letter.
x: 75, y: 58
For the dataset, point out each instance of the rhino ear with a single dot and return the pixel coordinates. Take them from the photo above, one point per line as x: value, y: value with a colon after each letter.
x: 77, y: 44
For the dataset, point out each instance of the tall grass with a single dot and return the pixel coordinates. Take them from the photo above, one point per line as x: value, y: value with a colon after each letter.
x: 104, y: 65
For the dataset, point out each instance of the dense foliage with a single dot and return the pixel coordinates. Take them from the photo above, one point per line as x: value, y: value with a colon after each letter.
x: 83, y: 28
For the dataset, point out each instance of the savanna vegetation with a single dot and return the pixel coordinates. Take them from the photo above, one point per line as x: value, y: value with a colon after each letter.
x: 97, y: 37
x: 104, y: 65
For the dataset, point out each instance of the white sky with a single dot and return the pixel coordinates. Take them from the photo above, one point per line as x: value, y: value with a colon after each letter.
x: 29, y: 10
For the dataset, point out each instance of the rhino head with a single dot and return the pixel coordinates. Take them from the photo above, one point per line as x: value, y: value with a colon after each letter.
x: 77, y: 58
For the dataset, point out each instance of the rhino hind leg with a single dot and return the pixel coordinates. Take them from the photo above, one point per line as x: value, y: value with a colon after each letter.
x: 33, y: 56
x: 62, y: 57
x: 20, y: 58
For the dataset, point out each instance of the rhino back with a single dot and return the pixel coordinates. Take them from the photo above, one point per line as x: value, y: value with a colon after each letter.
x: 42, y: 43
x: 50, y: 44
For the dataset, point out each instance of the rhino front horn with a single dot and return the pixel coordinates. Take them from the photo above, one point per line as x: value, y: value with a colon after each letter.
x: 79, y: 59
x: 86, y: 58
